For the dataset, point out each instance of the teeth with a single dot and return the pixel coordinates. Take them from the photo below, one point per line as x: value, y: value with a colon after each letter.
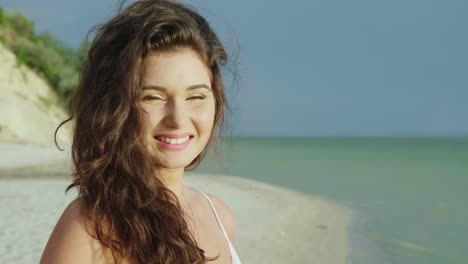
x: 173, y: 140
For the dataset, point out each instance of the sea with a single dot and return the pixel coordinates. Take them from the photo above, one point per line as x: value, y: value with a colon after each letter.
x: 409, y: 196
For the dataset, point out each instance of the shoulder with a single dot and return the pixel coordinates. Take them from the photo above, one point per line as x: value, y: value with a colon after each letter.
x: 71, y: 240
x: 226, y: 216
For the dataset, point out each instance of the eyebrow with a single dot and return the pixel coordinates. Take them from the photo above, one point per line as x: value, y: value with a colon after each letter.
x: 160, y: 88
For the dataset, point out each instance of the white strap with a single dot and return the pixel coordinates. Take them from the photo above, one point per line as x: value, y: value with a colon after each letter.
x: 234, y: 257
x: 217, y: 218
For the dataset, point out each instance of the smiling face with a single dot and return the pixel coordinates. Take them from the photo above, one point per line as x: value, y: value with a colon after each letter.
x: 179, y: 103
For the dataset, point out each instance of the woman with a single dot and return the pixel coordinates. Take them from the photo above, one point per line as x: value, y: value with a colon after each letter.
x: 149, y: 101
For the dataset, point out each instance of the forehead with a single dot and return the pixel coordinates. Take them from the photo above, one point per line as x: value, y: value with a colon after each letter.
x: 175, y: 69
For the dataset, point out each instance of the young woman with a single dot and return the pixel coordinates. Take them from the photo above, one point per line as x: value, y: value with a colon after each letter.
x: 149, y: 103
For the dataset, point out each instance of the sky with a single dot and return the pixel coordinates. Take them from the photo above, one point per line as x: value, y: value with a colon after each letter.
x: 321, y: 67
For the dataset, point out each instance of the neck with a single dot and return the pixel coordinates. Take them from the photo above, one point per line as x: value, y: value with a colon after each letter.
x: 173, y: 180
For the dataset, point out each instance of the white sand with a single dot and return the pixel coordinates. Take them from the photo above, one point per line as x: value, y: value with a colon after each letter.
x: 274, y: 225
x: 13, y: 155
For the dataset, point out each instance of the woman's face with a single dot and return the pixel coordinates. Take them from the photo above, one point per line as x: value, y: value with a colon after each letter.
x: 179, y: 103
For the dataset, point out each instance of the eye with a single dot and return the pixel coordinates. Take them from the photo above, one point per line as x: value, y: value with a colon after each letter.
x: 197, y: 97
x: 150, y: 97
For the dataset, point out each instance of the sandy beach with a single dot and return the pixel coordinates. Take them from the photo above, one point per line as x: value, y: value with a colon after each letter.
x: 274, y: 224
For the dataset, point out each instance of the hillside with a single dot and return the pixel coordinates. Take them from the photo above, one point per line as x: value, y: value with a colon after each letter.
x: 28, y: 105
x: 38, y: 73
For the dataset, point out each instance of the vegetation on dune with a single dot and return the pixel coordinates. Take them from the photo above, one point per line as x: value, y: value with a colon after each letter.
x: 50, y: 57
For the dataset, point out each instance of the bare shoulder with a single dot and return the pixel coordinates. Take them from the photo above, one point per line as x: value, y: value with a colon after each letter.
x: 226, y: 215
x: 71, y: 242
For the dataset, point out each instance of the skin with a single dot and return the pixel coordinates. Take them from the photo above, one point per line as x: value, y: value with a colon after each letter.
x: 177, y: 110
x: 173, y: 111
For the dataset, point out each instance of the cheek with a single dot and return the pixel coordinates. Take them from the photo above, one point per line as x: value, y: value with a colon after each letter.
x: 205, y: 117
x: 210, y: 114
x: 150, y: 118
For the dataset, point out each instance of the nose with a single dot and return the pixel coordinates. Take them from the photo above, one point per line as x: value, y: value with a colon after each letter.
x: 176, y: 115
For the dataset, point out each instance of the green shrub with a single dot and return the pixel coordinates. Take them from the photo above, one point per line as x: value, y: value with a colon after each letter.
x: 2, y: 16
x: 50, y: 57
x: 21, y: 25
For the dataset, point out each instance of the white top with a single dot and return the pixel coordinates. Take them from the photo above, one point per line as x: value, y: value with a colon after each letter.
x: 234, y: 257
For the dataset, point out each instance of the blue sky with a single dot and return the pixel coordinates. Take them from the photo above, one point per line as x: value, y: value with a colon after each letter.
x: 325, y: 67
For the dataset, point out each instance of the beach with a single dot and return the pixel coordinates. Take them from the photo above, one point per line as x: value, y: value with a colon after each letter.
x: 273, y: 224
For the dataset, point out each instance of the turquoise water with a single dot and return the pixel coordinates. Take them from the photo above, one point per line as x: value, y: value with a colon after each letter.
x: 410, y: 195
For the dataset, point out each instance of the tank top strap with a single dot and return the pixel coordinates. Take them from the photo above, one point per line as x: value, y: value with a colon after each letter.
x: 234, y: 256
x: 217, y: 218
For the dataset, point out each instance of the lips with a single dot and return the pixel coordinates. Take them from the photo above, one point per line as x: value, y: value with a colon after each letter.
x: 173, y: 146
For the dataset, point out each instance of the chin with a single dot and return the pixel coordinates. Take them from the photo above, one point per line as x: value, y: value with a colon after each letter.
x: 175, y: 163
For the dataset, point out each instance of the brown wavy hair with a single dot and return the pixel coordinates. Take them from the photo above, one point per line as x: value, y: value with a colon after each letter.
x: 133, y: 213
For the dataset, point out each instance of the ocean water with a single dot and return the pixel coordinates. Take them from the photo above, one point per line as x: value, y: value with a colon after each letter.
x: 409, y: 195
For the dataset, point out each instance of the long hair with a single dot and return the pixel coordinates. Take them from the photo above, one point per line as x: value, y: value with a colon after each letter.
x: 133, y: 213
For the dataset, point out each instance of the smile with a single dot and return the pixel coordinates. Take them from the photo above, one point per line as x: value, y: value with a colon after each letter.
x: 173, y: 144
x: 173, y: 141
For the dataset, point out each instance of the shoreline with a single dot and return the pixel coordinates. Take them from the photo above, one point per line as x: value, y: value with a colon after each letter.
x: 274, y: 224
x: 268, y: 228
